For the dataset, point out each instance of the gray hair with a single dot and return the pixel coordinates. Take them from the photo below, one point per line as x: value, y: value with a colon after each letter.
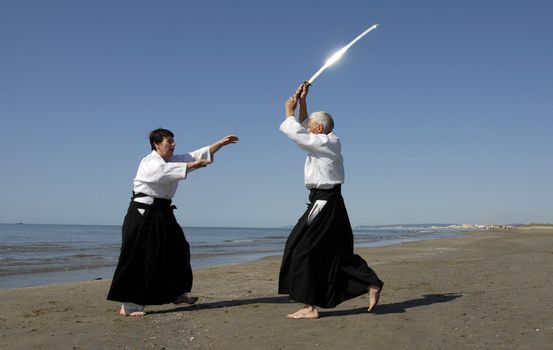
x: 324, y: 119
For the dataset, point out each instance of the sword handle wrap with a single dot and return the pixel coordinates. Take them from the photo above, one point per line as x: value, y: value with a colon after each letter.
x: 305, y: 82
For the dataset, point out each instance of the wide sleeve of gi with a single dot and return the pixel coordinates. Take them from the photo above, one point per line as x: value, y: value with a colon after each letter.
x: 202, y: 153
x: 153, y: 169
x: 313, y: 143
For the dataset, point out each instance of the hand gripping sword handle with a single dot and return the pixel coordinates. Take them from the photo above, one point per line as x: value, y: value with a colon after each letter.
x: 306, y: 83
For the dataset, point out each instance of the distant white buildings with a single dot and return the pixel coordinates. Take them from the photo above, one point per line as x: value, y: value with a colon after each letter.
x: 488, y: 227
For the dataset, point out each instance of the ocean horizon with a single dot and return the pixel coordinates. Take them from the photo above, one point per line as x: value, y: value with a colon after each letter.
x: 42, y: 254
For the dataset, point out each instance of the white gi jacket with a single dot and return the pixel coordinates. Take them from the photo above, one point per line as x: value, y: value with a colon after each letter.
x: 159, y: 179
x: 324, y: 165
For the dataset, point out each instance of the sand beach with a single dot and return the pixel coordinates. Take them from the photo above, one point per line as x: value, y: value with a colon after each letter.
x: 483, y: 290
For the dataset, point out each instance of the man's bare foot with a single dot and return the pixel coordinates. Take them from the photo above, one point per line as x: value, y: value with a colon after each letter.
x: 185, y: 299
x: 309, y: 313
x: 305, y: 309
x: 374, y: 296
x: 131, y: 310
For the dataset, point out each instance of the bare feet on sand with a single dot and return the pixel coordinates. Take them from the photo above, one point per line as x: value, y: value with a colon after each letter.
x: 308, y: 313
x: 374, y: 296
x: 131, y: 310
x: 185, y: 299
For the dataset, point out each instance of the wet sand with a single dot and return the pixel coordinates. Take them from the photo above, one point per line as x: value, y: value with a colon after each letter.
x: 483, y: 290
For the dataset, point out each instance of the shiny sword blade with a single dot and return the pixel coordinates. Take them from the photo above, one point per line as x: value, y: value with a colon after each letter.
x: 338, y: 54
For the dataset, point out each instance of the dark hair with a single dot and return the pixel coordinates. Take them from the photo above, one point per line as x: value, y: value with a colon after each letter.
x: 157, y: 136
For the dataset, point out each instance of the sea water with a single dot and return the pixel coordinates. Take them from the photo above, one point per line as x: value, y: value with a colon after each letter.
x: 32, y: 255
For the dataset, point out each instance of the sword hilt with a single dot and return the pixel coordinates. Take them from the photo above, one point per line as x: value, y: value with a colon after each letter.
x: 306, y: 83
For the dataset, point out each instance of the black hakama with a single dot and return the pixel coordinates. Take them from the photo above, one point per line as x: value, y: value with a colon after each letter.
x: 319, y: 267
x: 154, y: 264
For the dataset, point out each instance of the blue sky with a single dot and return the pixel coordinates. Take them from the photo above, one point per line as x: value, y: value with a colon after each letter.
x: 445, y: 111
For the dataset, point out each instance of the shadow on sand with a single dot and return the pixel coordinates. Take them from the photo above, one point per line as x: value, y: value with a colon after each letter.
x: 396, y: 308
x: 382, y: 309
x: 223, y: 304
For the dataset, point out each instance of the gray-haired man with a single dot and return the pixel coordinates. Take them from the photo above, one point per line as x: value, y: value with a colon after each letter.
x: 319, y: 267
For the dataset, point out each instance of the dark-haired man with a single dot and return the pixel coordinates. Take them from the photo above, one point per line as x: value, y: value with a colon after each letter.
x: 154, y: 263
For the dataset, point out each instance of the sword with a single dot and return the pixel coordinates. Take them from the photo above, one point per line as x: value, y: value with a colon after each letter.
x: 338, y: 54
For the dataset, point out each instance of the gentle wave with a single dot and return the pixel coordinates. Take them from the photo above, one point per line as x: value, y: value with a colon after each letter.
x: 4, y: 248
x: 239, y: 241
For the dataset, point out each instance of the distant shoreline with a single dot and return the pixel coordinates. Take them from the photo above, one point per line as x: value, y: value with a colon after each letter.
x: 63, y: 271
x: 75, y: 266
x: 360, y: 227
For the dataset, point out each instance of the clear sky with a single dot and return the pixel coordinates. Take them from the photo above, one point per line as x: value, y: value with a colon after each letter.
x: 445, y: 111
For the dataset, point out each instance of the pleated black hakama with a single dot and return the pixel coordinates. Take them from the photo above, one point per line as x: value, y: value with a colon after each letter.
x: 154, y: 264
x: 319, y: 267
